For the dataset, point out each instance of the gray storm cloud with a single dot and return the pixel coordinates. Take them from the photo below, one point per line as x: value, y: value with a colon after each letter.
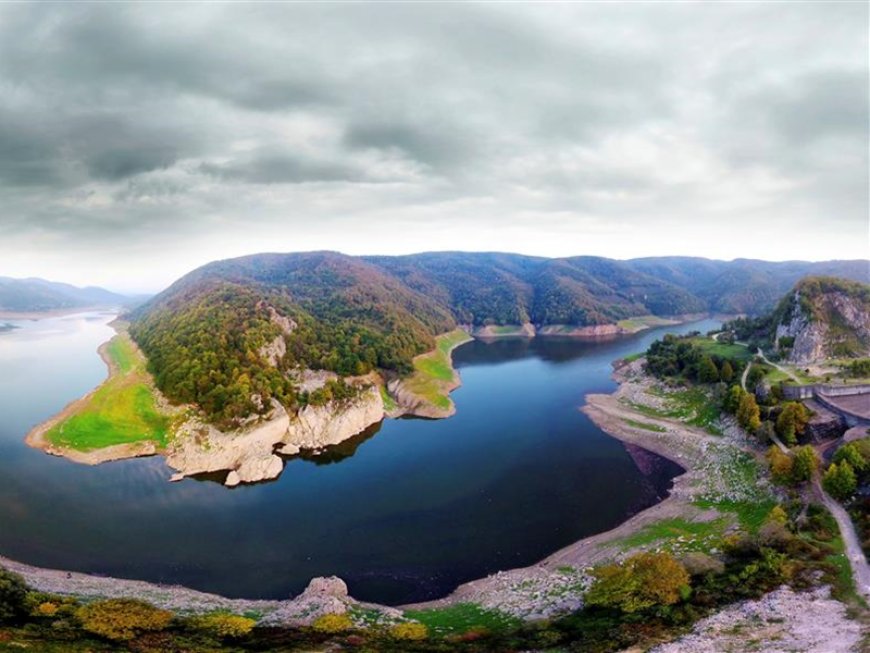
x: 210, y: 130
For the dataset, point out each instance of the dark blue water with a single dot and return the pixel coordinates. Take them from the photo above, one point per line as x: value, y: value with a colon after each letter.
x: 404, y: 512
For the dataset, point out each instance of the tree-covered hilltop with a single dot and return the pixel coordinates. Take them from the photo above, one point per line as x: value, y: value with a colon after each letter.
x: 205, y: 336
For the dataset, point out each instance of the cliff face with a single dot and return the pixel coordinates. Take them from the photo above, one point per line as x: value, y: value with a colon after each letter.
x: 250, y: 454
x: 315, y: 427
x: 824, y: 319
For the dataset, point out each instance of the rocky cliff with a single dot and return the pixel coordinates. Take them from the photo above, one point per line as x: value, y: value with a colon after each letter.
x: 250, y: 454
x: 824, y: 318
x: 315, y: 427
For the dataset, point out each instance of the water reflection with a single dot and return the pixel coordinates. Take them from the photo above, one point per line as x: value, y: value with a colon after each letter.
x: 405, y: 511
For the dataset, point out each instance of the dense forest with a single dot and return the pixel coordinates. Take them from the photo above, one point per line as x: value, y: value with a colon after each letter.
x: 203, y: 335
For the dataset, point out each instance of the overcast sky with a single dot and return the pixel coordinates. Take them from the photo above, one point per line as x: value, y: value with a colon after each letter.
x: 140, y: 141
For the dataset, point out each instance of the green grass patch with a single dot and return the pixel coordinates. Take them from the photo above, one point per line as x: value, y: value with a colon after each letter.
x: 692, y: 535
x: 643, y: 409
x: 120, y: 411
x: 694, y: 407
x: 389, y: 402
x: 750, y: 514
x: 645, y: 425
x: 434, y: 371
x: 506, y: 330
x: 124, y: 354
x: 690, y: 405
x: 643, y: 322
x: 462, y: 618
x: 716, y: 348
x: 832, y: 541
x: 633, y: 357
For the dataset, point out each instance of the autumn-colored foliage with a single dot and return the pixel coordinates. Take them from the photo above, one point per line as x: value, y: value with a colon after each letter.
x: 642, y: 581
x: 122, y: 619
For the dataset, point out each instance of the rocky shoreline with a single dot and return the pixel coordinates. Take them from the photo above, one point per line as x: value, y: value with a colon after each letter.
x: 253, y: 453
x: 555, y: 585
x: 590, y: 332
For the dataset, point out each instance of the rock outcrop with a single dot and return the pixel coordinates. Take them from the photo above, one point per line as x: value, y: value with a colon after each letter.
x: 315, y: 427
x: 823, y: 424
x: 824, y: 318
x: 274, y: 351
x: 248, y: 454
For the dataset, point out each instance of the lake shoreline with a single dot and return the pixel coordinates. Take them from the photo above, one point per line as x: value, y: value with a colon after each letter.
x: 247, y: 455
x: 36, y: 437
x: 535, y: 591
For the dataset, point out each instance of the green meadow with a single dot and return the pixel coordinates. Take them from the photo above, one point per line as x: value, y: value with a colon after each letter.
x: 120, y: 411
x: 434, y: 371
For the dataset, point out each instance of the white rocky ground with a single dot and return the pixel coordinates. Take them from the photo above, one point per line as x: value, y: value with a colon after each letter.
x: 322, y: 596
x: 783, y: 621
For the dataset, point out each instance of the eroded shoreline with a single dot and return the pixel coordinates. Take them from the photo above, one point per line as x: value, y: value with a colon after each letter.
x: 552, y: 586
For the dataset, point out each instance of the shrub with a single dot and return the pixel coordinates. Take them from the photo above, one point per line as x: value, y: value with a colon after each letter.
x: 642, y: 581
x: 852, y: 454
x: 332, y: 623
x: 778, y: 515
x: 806, y: 461
x: 409, y: 630
x: 224, y: 624
x: 13, y: 595
x: 840, y: 481
x: 46, y: 609
x: 781, y: 465
x: 42, y: 604
x: 792, y: 421
x: 122, y: 619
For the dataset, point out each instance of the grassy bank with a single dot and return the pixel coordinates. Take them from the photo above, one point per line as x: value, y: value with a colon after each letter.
x: 715, y: 348
x: 120, y: 411
x: 642, y: 322
x: 433, y: 376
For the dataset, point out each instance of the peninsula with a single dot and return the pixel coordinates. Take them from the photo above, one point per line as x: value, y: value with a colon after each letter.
x: 247, y: 360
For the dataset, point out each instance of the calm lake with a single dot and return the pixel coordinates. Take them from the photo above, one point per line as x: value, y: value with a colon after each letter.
x: 404, y: 512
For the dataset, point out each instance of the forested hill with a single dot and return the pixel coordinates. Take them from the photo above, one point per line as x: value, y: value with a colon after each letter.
x: 205, y: 334
x: 34, y: 295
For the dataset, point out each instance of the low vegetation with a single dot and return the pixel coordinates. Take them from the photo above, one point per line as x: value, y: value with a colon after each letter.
x: 120, y: 411
x: 433, y: 372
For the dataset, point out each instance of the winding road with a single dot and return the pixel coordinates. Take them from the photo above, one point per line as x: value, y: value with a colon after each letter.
x: 857, y: 559
x: 781, y: 369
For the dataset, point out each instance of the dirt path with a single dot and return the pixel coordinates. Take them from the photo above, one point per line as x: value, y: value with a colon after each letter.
x: 779, y: 367
x: 857, y: 559
x: 745, y: 375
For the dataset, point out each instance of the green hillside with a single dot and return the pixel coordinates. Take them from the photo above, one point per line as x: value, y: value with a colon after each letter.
x: 203, y: 335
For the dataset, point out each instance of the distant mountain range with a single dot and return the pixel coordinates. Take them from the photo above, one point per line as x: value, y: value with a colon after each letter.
x: 205, y: 333
x: 35, y: 295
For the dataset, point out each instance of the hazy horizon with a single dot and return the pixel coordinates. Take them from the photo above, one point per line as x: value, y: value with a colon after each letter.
x: 140, y: 141
x: 155, y: 290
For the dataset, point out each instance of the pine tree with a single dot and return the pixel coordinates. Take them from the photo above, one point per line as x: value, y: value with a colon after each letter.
x: 708, y: 373
x: 727, y: 372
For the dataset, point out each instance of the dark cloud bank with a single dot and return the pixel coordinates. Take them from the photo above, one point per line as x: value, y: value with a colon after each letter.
x: 202, y: 131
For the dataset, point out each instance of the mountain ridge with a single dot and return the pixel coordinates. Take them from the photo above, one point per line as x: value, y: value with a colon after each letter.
x: 34, y: 294
x: 353, y: 315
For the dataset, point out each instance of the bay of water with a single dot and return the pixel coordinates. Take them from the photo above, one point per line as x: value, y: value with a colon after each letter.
x: 404, y: 512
